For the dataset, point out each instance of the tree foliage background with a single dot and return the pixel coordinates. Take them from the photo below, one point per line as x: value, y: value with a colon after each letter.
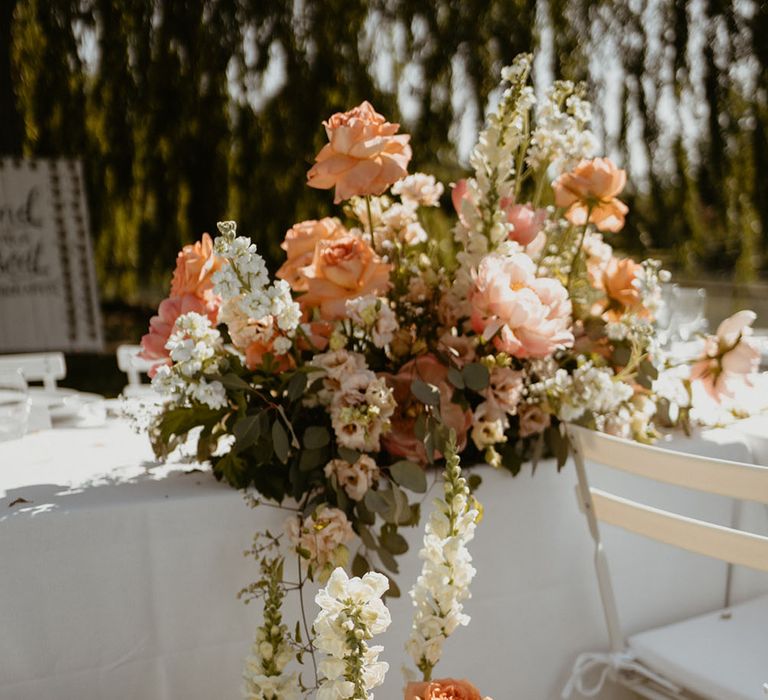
x: 186, y: 112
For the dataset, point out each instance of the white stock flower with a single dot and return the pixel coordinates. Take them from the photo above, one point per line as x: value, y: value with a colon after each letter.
x: 351, y: 613
x: 447, y: 571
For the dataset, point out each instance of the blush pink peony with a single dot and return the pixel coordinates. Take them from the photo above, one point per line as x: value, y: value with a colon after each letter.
x: 161, y: 326
x: 524, y: 315
x: 364, y: 154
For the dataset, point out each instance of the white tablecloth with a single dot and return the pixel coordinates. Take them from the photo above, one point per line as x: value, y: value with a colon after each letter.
x: 119, y: 576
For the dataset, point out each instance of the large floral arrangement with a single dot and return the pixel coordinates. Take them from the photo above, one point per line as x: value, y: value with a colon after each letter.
x: 334, y: 384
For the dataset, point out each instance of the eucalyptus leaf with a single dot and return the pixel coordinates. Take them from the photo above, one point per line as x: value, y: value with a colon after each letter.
x: 393, y: 542
x: 360, y: 565
x: 310, y: 459
x: 348, y: 455
x: 393, y: 591
x: 388, y: 560
x: 409, y: 475
x: 474, y: 481
x: 234, y: 382
x: 455, y: 377
x: 316, y: 436
x: 246, y: 431
x: 368, y: 538
x: 280, y: 441
x: 296, y: 386
x: 428, y: 394
x: 476, y: 376
x: 377, y: 502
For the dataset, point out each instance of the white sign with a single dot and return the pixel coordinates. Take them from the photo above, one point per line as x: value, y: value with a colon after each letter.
x: 48, y: 298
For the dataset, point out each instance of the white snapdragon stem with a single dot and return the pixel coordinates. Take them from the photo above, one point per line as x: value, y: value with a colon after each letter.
x: 351, y: 613
x: 447, y: 571
x: 264, y: 675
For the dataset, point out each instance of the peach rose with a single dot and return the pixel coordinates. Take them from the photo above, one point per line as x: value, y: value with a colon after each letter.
x: 442, y: 689
x: 161, y: 326
x: 195, y: 265
x: 343, y: 268
x: 618, y: 281
x: 729, y: 357
x: 401, y: 439
x: 299, y: 245
x: 364, y: 155
x: 524, y: 315
x: 591, y: 187
x: 258, y: 349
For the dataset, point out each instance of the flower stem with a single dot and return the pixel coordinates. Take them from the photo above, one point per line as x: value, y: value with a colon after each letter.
x: 307, y: 632
x: 370, y: 218
x: 578, y: 251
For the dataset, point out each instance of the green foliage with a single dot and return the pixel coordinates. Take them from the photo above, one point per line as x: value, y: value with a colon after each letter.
x: 158, y: 108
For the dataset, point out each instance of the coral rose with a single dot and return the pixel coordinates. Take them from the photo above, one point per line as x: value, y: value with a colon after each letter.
x: 591, y: 188
x: 442, y: 689
x: 364, y: 155
x: 618, y: 281
x: 401, y: 440
x: 524, y: 315
x: 195, y: 265
x: 161, y: 326
x: 729, y: 357
x: 343, y: 268
x: 299, y: 246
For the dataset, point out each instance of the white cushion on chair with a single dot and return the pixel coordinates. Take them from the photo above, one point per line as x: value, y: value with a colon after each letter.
x: 721, y: 655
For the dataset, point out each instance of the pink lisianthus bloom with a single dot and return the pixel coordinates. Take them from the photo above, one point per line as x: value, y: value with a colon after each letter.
x: 401, y: 440
x: 526, y: 221
x: 524, y: 315
x: 161, y: 326
x: 730, y: 356
x: 364, y: 155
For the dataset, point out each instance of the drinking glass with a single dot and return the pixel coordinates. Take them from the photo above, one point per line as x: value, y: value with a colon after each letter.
x: 14, y: 405
x: 688, y: 308
x: 665, y: 315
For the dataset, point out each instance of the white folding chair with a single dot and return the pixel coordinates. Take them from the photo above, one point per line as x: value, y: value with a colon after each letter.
x: 46, y: 367
x: 129, y: 362
x: 718, y: 656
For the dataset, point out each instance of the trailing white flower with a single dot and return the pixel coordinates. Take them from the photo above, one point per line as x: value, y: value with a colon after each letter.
x: 264, y: 675
x: 351, y: 613
x: 197, y: 351
x: 447, y: 571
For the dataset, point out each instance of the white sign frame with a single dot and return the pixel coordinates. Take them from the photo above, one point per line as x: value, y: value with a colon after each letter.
x: 48, y: 294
